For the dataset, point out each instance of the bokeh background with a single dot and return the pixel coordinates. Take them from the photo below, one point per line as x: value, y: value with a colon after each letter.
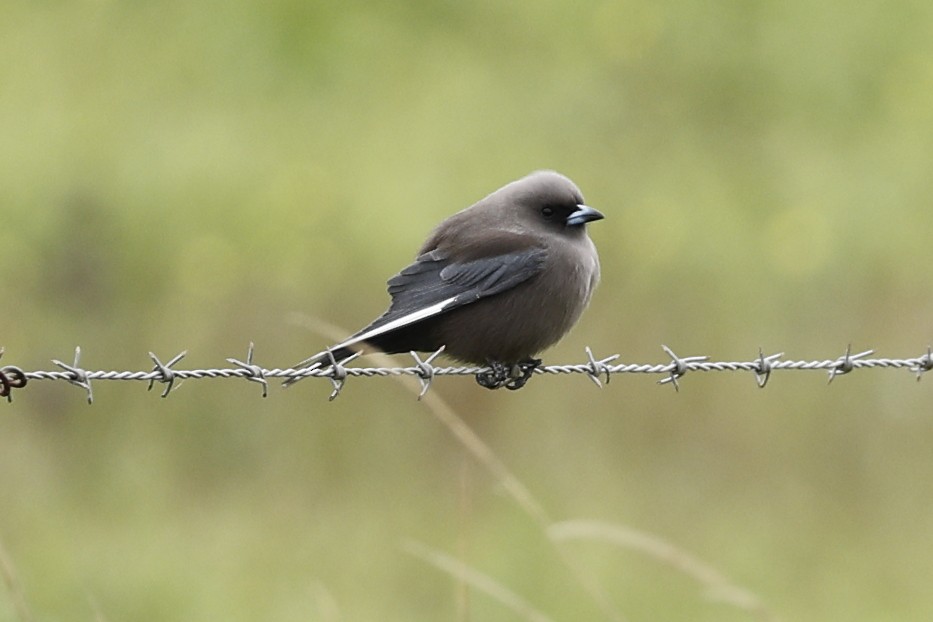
x: 189, y: 175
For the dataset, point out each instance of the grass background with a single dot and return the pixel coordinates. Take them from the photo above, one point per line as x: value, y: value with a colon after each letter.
x: 178, y: 175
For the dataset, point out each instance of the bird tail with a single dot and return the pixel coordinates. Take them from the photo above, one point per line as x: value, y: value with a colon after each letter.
x: 321, y: 360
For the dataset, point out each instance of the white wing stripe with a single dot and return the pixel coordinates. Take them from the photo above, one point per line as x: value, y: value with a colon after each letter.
x: 405, y: 320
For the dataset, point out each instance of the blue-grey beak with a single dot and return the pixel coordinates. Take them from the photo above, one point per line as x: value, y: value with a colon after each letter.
x: 582, y: 215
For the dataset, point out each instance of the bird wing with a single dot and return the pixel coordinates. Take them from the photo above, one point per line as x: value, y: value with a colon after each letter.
x: 435, y: 283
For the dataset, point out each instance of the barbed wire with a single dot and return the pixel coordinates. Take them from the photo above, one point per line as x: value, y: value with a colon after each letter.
x: 596, y: 369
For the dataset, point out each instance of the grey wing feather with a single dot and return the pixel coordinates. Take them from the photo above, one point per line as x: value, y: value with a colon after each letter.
x: 434, y: 284
x: 433, y: 279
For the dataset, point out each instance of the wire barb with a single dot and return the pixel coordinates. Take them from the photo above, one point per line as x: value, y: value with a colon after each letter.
x: 598, y: 367
x: 681, y: 367
x: 166, y: 373
x: 425, y: 370
x: 338, y: 373
x: 11, y: 377
x: 924, y: 363
x: 79, y: 376
x: 764, y: 367
x: 256, y: 373
x: 846, y: 363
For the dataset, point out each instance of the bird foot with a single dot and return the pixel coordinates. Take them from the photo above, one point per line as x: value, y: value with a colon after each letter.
x: 497, y: 376
x: 511, y: 376
x: 526, y: 369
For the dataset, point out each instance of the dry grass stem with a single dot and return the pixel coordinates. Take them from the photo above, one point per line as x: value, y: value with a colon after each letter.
x: 482, y: 582
x: 717, y: 586
x: 14, y: 587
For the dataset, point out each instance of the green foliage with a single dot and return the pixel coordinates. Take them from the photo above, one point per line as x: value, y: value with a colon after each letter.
x: 187, y: 174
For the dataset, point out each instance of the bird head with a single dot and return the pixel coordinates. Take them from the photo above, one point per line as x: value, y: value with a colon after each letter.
x: 550, y: 198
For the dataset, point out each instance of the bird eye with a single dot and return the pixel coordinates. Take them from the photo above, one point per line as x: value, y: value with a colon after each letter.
x: 547, y: 211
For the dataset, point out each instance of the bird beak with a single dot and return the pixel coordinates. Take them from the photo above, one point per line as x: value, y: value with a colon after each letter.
x: 582, y: 215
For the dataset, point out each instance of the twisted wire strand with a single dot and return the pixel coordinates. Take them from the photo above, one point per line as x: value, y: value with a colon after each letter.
x: 596, y: 369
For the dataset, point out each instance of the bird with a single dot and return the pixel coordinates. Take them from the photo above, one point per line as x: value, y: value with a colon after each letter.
x: 494, y: 284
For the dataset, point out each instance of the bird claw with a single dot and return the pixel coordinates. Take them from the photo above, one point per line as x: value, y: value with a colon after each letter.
x: 512, y: 377
x: 497, y: 375
x: 527, y: 369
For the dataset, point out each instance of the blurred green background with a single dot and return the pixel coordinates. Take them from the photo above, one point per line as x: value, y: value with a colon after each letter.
x: 187, y: 175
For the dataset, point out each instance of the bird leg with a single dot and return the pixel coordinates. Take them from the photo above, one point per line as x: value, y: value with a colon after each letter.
x: 511, y: 376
